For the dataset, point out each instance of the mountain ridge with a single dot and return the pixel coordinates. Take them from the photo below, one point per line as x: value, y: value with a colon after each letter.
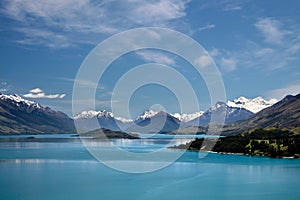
x: 18, y: 115
x: 21, y: 116
x: 284, y: 114
x: 249, y: 104
x: 231, y: 114
x: 254, y: 105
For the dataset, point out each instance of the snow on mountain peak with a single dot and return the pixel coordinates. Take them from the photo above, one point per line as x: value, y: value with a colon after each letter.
x: 254, y: 105
x: 92, y: 113
x: 187, y: 117
x: 124, y: 120
x: 86, y: 114
x: 18, y: 99
x: 147, y: 114
x: 105, y: 113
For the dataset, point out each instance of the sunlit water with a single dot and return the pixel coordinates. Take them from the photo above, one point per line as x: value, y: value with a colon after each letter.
x: 65, y: 170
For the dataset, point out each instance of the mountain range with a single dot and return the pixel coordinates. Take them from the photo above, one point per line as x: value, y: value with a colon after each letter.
x: 18, y: 115
x: 236, y: 110
x: 232, y: 114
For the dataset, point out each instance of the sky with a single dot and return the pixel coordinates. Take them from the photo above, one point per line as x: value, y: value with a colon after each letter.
x: 255, y: 45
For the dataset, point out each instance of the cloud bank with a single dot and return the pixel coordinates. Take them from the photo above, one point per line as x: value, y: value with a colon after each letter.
x: 38, y: 93
x: 63, y: 24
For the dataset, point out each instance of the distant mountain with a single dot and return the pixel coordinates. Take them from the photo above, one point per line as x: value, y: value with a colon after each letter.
x: 154, y: 122
x: 254, y: 105
x: 187, y: 117
x: 146, y: 115
x: 236, y: 110
x: 90, y: 120
x: 20, y: 116
x: 272, y: 132
x: 283, y: 114
x: 232, y: 114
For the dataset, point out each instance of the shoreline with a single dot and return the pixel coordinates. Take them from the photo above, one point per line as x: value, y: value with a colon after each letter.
x: 242, y: 154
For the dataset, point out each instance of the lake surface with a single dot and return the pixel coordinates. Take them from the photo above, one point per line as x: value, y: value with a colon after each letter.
x: 65, y: 170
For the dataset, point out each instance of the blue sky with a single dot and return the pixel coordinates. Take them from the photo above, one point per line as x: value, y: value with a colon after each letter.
x: 255, y: 44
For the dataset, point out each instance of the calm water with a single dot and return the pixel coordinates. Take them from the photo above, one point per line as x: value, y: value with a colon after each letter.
x: 65, y: 170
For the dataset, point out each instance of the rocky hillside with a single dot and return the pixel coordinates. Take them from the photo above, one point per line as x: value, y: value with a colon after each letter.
x: 285, y: 114
x: 20, y: 116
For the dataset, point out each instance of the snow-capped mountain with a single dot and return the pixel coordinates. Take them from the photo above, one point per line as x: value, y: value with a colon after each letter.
x: 238, y: 109
x: 19, y: 101
x: 254, y: 105
x: 90, y: 120
x: 232, y: 114
x: 187, y: 117
x: 92, y: 113
x: 155, y: 122
x: 285, y: 114
x: 124, y: 120
x: 147, y: 114
x: 19, y: 116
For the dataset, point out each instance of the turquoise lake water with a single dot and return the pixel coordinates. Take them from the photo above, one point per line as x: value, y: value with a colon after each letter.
x: 65, y: 170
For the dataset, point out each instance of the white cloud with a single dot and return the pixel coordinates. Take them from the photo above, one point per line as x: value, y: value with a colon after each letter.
x: 271, y: 30
x: 214, y: 52
x: 38, y: 93
x: 280, y: 52
x: 207, y: 27
x: 157, y: 57
x: 61, y: 24
x: 156, y: 12
x: 294, y: 48
x: 263, y: 52
x: 280, y: 93
x: 35, y: 36
x: 203, y: 61
x: 62, y: 96
x: 228, y: 64
x: 256, y: 56
x: 36, y: 90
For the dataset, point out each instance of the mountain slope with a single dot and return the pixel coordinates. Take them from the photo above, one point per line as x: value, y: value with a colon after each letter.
x: 232, y: 114
x: 18, y: 115
x: 154, y: 123
x: 187, y: 117
x: 236, y: 110
x: 283, y: 114
x: 90, y: 120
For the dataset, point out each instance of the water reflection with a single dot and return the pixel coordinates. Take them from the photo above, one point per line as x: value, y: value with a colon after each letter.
x: 41, y: 161
x: 137, y: 143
